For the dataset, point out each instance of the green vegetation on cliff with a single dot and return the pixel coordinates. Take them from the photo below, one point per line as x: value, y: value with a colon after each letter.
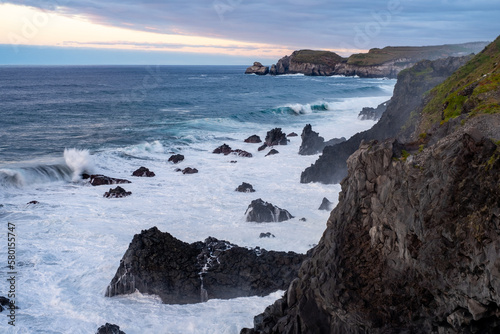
x: 411, y: 54
x: 472, y: 90
x: 317, y: 57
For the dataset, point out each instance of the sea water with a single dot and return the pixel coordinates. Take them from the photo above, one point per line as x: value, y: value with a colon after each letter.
x: 57, y: 122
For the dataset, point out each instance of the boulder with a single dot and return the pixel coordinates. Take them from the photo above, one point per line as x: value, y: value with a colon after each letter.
x: 266, y: 235
x: 5, y: 303
x: 109, y: 329
x: 176, y: 158
x: 292, y: 134
x: 275, y: 137
x: 272, y: 152
x: 118, y: 192
x: 189, y: 170
x: 258, y: 69
x: 264, y: 212
x: 245, y: 188
x: 253, y: 139
x: 33, y: 203
x: 242, y: 153
x: 262, y: 147
x: 98, y: 180
x: 326, y: 205
x: 143, y: 172
x: 223, y: 149
x: 156, y: 263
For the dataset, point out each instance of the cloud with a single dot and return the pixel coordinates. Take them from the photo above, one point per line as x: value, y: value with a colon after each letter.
x: 298, y: 23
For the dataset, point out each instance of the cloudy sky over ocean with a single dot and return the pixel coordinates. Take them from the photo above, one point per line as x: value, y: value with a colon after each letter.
x: 229, y: 31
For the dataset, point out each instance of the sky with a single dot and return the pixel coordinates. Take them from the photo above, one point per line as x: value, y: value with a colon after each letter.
x: 232, y: 32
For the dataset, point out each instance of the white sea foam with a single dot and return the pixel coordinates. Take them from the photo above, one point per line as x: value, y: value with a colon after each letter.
x: 79, y: 161
x: 70, y: 245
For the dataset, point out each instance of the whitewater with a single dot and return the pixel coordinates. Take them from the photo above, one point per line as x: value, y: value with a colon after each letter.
x: 59, y: 122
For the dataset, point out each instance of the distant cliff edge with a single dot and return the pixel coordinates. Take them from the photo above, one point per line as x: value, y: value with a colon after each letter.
x: 377, y: 63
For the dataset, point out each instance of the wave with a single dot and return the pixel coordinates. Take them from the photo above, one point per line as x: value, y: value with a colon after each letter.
x: 76, y: 162
x: 299, y: 109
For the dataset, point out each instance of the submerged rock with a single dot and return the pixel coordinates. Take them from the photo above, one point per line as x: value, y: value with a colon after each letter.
x: 245, y: 188
x: 226, y: 149
x: 181, y: 273
x: 176, y: 158
x: 266, y: 235
x: 33, y: 203
x: 109, y: 329
x: 98, y: 180
x: 275, y: 137
x: 263, y: 212
x: 118, y: 192
x: 143, y: 172
x: 189, y: 170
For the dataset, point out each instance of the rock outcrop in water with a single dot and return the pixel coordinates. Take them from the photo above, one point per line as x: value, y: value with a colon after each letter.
x: 414, y: 244
x: 181, y: 273
x: 275, y: 137
x: 99, y: 180
x: 109, y: 329
x: 143, y: 172
x: 257, y: 68
x: 373, y: 114
x: 263, y: 212
x: 313, y: 143
x: 117, y: 192
x: 408, y: 100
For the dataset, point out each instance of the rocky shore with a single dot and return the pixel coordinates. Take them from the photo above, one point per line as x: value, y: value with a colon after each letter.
x: 413, y: 245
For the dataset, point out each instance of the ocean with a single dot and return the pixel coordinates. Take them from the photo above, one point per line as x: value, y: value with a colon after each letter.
x: 59, y: 121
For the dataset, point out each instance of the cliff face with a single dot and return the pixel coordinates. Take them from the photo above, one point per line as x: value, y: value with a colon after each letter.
x: 377, y: 63
x: 414, y: 244
x: 408, y: 98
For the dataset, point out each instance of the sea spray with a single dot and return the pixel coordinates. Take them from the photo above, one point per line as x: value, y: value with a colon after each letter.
x: 79, y: 161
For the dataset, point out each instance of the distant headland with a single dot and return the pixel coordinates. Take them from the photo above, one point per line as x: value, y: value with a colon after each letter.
x: 377, y: 63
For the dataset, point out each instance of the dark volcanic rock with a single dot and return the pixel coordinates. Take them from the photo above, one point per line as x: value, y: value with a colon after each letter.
x: 258, y: 69
x: 266, y: 235
x: 5, y: 304
x: 275, y: 137
x: 143, y: 172
x: 292, y: 134
x: 245, y: 188
x: 181, y: 273
x: 262, y: 147
x: 242, y: 153
x: 98, y: 180
x: 109, y: 329
x: 260, y: 212
x: 373, y: 114
x: 326, y: 205
x: 189, y: 170
x: 313, y: 143
x: 224, y: 149
x: 412, y: 246
x: 33, y: 202
x: 176, y: 158
x: 118, y: 192
x: 253, y: 139
x: 331, y: 166
x: 272, y: 152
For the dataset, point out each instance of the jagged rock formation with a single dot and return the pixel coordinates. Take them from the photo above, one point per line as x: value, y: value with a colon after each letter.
x: 263, y: 212
x: 181, y: 273
x: 226, y: 149
x: 326, y: 205
x: 109, y: 329
x: 275, y: 137
x: 253, y: 139
x: 373, y: 114
x: 258, y: 69
x: 414, y: 244
x: 245, y: 188
x: 377, y: 63
x: 313, y: 143
x: 407, y: 100
x: 176, y: 158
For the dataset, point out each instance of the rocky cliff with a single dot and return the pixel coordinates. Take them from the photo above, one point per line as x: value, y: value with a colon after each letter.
x: 377, y: 63
x: 408, y: 99
x: 414, y: 244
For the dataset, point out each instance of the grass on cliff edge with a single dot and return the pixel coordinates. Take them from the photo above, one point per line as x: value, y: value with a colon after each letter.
x: 317, y: 57
x: 473, y: 89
